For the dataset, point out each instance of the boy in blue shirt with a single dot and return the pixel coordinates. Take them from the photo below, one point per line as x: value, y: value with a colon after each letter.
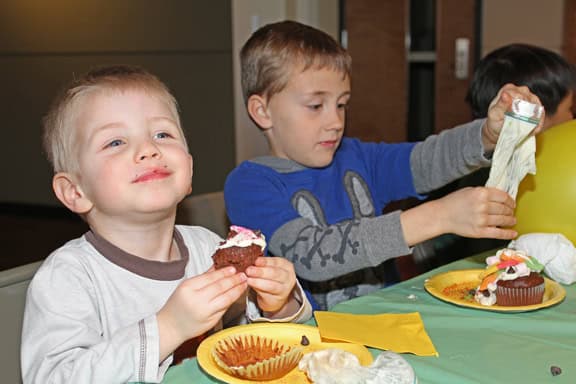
x: 319, y: 196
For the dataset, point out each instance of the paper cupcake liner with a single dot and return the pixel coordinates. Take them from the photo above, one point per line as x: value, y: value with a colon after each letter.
x: 512, y: 297
x: 254, y: 357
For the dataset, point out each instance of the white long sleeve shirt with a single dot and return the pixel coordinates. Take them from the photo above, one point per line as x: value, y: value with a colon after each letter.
x: 91, y: 309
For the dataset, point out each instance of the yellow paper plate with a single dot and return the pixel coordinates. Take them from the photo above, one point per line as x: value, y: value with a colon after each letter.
x: 287, y: 333
x: 553, y: 292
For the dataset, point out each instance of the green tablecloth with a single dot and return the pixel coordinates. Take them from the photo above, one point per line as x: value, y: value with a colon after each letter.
x: 475, y: 346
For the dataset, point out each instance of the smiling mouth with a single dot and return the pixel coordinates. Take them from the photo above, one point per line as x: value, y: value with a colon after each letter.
x: 155, y: 174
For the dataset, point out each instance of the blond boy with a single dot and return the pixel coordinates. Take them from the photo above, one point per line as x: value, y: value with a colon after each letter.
x: 319, y: 196
x: 113, y: 305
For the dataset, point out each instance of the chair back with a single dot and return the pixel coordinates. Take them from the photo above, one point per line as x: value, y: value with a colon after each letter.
x: 13, y: 286
x: 206, y: 210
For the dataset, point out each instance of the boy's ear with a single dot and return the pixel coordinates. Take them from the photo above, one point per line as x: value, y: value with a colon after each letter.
x: 191, y: 158
x: 70, y: 193
x: 258, y: 111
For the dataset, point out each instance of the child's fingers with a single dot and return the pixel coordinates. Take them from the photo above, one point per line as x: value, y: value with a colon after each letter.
x: 217, y: 292
x: 226, y: 297
x: 500, y: 210
x: 499, y: 233
x: 218, y: 296
x: 500, y: 221
x: 210, y: 277
x: 275, y: 274
x: 218, y: 287
x: 268, y: 279
x: 498, y: 196
x: 272, y: 288
x: 215, y: 286
x: 270, y: 263
x: 269, y: 286
x: 510, y: 92
x: 271, y: 275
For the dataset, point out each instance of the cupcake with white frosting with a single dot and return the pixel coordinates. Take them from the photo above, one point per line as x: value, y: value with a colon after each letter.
x: 511, y: 278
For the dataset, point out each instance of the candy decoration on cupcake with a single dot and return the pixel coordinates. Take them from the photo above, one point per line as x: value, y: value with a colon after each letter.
x: 243, y: 237
x: 511, y: 278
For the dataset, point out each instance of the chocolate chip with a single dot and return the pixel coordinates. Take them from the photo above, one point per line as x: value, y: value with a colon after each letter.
x: 486, y: 293
x: 555, y: 371
x: 511, y: 270
x: 304, y: 340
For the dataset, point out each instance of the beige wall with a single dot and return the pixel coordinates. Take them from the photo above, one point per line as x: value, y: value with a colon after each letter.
x: 522, y: 21
x: 193, y: 46
x: 186, y: 43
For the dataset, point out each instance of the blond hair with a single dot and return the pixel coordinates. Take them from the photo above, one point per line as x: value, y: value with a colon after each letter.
x: 59, y: 123
x: 270, y: 55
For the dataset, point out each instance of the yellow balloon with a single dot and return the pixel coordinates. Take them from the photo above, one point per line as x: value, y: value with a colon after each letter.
x: 546, y: 202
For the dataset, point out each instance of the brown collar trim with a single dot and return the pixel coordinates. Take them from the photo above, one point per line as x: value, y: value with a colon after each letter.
x: 157, y: 270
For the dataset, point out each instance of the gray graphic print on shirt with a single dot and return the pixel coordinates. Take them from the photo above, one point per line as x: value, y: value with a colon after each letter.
x: 329, y: 257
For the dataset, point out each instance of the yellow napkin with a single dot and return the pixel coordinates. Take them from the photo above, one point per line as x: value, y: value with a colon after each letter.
x: 399, y: 333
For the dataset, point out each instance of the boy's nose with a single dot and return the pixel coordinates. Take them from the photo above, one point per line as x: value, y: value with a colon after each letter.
x: 148, y: 150
x: 148, y: 155
x: 337, y: 119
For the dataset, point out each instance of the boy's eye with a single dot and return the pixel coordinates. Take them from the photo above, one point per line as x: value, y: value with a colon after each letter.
x: 315, y: 107
x: 342, y: 105
x: 114, y: 143
x: 162, y: 135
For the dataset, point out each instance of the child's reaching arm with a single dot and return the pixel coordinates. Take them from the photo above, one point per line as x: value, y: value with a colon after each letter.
x: 443, y: 158
x: 477, y: 212
x: 321, y: 251
x: 264, y: 196
x: 471, y: 212
x: 295, y: 224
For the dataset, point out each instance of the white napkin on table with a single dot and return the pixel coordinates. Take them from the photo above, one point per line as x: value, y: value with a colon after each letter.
x: 336, y: 366
x: 554, y: 251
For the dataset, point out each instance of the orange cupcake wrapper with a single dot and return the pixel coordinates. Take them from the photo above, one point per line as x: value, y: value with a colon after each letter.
x: 247, y: 346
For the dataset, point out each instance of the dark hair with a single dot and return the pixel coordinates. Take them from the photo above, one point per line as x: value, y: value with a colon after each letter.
x: 547, y: 74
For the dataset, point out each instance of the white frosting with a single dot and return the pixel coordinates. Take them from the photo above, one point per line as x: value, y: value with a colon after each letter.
x: 485, y: 300
x: 244, y: 238
x: 335, y: 366
x: 520, y: 270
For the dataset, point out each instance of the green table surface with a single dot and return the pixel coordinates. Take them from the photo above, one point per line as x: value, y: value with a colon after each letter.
x: 474, y: 346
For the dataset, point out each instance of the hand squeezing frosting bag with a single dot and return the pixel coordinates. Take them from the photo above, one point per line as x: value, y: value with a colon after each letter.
x: 514, y: 155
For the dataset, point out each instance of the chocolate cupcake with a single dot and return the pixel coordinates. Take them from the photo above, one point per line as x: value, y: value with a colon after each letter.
x: 511, y: 279
x: 240, y: 249
x: 253, y: 357
x: 526, y: 290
